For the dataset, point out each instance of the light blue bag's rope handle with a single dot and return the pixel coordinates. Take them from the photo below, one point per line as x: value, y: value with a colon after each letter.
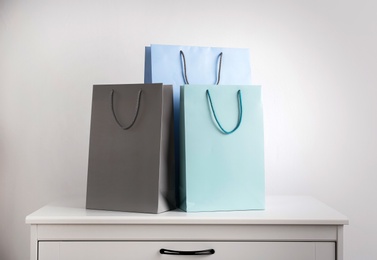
x: 239, y: 97
x: 136, y: 113
x: 183, y: 58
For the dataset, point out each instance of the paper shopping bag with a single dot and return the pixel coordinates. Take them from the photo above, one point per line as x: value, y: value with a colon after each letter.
x: 222, y: 151
x: 131, y: 166
x: 177, y: 65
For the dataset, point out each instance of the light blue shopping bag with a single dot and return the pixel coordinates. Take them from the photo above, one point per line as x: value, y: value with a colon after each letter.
x: 222, y: 148
x: 177, y: 65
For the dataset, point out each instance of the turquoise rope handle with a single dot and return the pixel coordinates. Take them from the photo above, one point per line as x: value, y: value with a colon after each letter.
x: 239, y: 97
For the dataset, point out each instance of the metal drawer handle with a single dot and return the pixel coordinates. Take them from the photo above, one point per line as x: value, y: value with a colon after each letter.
x: 164, y: 251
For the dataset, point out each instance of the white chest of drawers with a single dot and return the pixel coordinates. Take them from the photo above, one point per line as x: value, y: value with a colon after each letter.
x: 291, y: 228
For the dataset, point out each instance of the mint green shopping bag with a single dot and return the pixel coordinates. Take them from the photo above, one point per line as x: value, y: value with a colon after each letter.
x: 222, y: 148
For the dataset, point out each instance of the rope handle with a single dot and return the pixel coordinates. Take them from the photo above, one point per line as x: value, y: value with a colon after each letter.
x: 136, y: 112
x: 239, y: 97
x: 183, y: 59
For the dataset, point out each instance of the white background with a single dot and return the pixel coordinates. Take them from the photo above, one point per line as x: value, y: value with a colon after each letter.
x: 316, y: 61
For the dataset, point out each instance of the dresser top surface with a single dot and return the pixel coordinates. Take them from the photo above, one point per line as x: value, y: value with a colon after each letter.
x: 280, y: 210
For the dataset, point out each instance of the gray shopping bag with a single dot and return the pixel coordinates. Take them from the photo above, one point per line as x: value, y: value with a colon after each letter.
x: 131, y: 157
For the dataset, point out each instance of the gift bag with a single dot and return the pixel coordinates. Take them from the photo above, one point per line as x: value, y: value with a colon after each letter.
x: 177, y: 65
x: 222, y: 150
x: 131, y: 165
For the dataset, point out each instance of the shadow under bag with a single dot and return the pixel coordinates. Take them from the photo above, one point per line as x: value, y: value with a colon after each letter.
x: 131, y: 157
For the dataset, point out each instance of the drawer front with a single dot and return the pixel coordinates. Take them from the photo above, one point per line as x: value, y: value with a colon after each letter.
x: 122, y: 250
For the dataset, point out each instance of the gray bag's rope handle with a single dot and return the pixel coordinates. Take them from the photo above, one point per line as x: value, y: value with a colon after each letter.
x: 136, y: 113
x: 183, y: 58
x: 239, y: 97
